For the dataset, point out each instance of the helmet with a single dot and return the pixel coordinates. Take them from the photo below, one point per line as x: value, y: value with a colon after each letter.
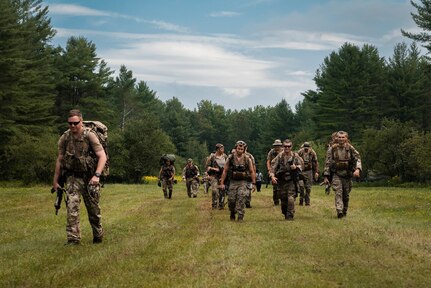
x: 306, y: 144
x: 277, y: 142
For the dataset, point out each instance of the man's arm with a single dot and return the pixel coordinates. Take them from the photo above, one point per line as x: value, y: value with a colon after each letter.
x: 224, y: 174
x: 101, y: 161
x: 357, y: 159
x: 57, y: 171
x: 100, y: 154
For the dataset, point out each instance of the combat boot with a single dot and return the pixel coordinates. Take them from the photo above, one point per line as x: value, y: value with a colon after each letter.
x: 232, y: 216
x: 240, y: 218
x: 72, y: 242
x: 170, y: 194
x: 301, y: 201
x: 97, y: 240
x: 340, y: 215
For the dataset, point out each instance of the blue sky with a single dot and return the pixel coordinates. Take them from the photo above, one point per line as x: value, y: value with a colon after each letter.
x: 236, y: 53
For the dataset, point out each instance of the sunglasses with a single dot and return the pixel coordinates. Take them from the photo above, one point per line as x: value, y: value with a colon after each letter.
x: 74, y: 123
x: 287, y: 146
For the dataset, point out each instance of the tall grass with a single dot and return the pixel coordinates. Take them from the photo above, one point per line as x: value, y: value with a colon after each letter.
x: 154, y: 242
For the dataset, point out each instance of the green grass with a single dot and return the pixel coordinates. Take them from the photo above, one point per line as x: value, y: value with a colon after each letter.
x: 154, y: 242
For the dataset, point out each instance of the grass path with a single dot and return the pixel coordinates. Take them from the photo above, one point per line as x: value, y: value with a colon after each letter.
x: 182, y: 242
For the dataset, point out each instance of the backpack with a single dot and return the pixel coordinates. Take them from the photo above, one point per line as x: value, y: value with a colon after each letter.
x: 101, y: 132
x: 164, y: 157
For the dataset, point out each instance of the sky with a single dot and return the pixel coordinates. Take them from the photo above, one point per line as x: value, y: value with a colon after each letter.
x: 235, y: 53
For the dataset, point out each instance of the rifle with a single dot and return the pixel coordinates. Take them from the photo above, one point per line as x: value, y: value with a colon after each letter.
x: 60, y: 190
x: 327, y: 187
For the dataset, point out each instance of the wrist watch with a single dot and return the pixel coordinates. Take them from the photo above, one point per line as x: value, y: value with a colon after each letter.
x: 97, y: 174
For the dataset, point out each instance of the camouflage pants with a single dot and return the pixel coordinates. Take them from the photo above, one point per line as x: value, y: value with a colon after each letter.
x: 342, y: 187
x: 287, y: 195
x: 206, y: 185
x: 275, y: 194
x: 167, y: 184
x: 77, y: 187
x: 305, y: 187
x: 192, y: 185
x: 236, y: 197
x: 217, y: 194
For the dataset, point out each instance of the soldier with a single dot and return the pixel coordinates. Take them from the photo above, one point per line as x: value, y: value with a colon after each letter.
x: 81, y: 170
x: 191, y: 176
x: 214, y: 167
x: 284, y: 172
x: 342, y: 163
x: 167, y: 177
x: 277, y: 147
x: 239, y: 167
x: 310, y: 172
x: 206, y: 182
x: 259, y: 178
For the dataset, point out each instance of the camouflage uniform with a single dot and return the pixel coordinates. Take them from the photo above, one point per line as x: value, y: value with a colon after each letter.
x: 341, y: 161
x: 311, y: 167
x: 191, y: 174
x: 239, y: 170
x: 286, y: 180
x: 206, y: 182
x: 76, y: 166
x: 218, y: 195
x: 271, y: 155
x: 167, y: 173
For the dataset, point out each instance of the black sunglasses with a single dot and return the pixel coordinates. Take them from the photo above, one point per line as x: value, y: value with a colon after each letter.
x: 74, y: 123
x: 288, y: 146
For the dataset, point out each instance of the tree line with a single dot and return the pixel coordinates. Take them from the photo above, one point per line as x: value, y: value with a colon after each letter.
x: 382, y: 103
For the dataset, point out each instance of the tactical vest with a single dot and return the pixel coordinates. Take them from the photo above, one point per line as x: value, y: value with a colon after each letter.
x: 342, y: 158
x: 78, y: 156
x: 307, y: 157
x: 239, y: 170
x: 191, y: 172
x: 167, y: 171
x: 217, y: 162
x: 283, y: 171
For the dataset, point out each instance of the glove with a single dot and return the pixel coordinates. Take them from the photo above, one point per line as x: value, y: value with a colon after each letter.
x: 159, y: 183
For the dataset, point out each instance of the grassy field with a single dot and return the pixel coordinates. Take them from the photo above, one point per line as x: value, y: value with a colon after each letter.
x: 152, y: 242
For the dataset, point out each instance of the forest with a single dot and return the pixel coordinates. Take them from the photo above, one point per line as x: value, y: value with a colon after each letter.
x: 382, y: 103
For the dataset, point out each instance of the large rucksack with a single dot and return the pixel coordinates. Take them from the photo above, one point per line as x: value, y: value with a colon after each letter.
x: 164, y: 157
x: 101, y: 132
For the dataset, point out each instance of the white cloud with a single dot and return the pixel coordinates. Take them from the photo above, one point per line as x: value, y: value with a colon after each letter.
x: 224, y: 14
x: 237, y: 92
x: 303, y: 40
x: 168, y: 26
x: 214, y: 62
x: 75, y: 10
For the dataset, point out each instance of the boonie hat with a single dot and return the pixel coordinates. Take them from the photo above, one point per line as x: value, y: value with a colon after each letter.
x: 277, y: 142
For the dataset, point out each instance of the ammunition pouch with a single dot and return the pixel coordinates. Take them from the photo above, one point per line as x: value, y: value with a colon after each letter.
x: 79, y: 165
x: 342, y: 165
x: 237, y: 175
x: 307, y: 166
x: 284, y: 175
